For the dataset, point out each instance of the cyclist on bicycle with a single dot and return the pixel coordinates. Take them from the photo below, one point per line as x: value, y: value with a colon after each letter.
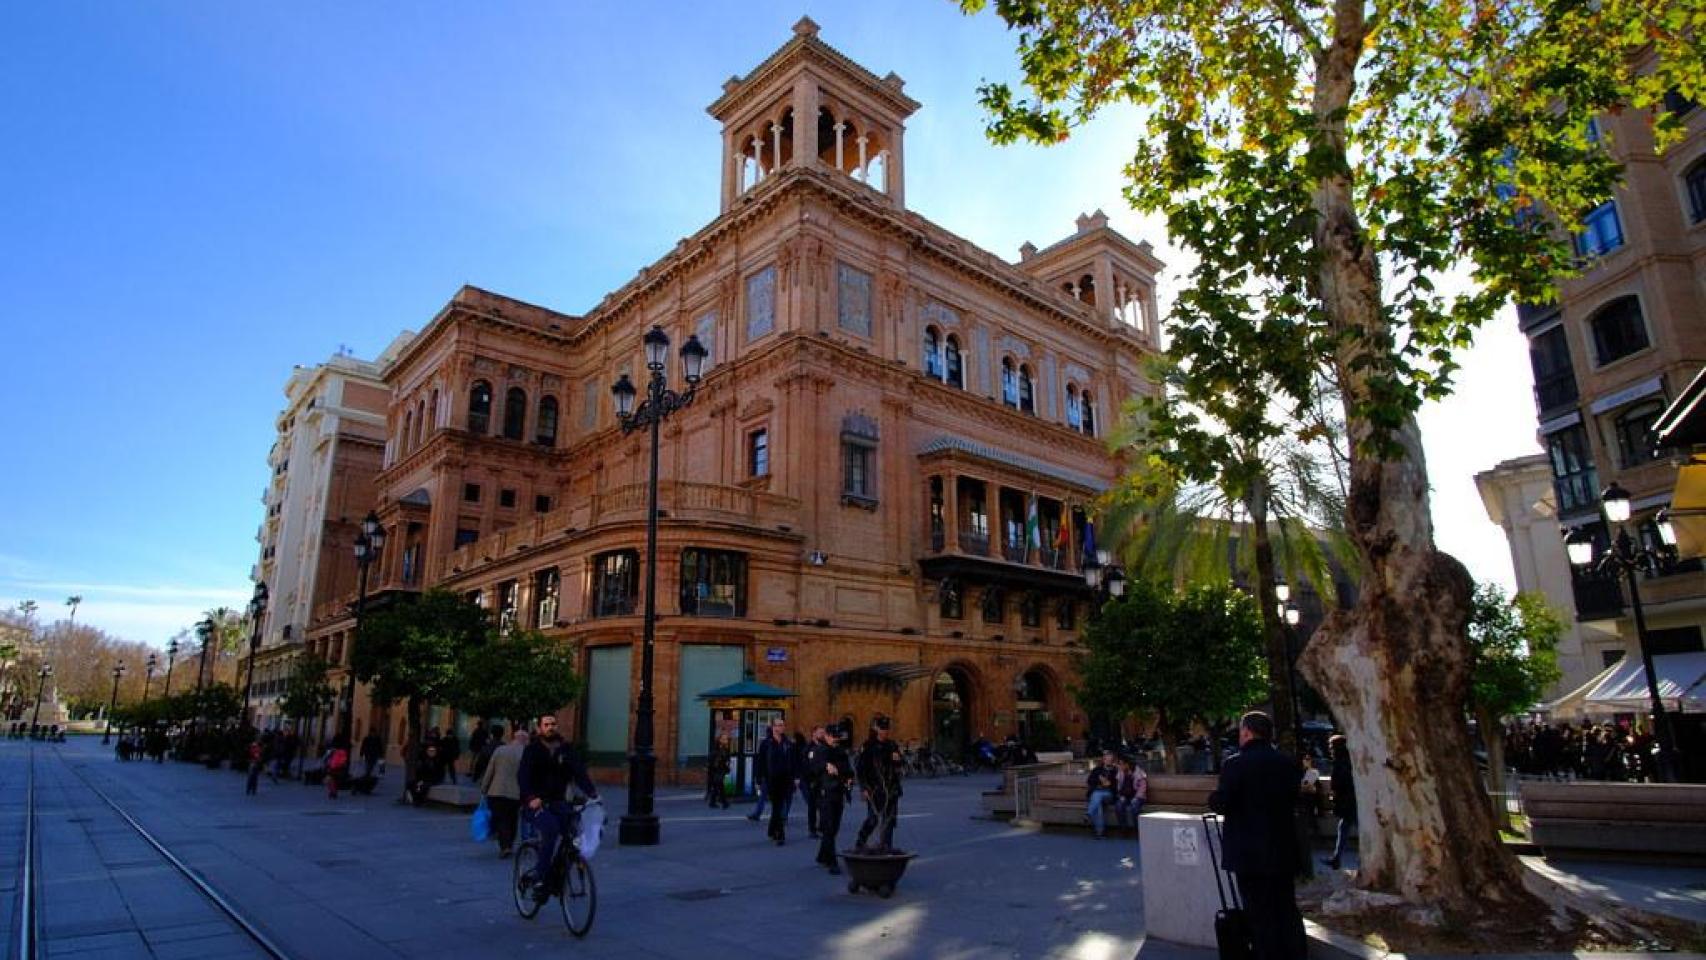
x: 548, y: 766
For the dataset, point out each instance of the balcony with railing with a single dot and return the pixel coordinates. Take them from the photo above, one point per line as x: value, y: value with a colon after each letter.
x: 1552, y: 394
x: 678, y: 502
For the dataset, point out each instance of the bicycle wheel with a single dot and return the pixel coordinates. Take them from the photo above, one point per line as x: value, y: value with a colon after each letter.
x: 580, y: 897
x: 521, y: 879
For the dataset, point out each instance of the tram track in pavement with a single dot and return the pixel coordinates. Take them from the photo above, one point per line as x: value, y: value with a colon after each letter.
x: 30, y: 944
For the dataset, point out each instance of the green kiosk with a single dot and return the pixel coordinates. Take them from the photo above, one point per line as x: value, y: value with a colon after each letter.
x: 743, y: 712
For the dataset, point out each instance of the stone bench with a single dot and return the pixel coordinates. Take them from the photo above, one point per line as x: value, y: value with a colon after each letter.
x: 1666, y: 819
x: 1059, y: 798
x: 460, y: 795
x: 1000, y: 804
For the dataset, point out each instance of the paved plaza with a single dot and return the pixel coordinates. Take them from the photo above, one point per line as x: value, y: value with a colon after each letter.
x: 366, y: 877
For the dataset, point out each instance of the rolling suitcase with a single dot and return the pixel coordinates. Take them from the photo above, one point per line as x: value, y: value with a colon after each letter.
x: 1232, y: 934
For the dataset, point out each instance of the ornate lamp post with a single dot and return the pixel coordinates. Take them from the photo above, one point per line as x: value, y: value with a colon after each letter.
x: 148, y: 668
x: 41, y: 687
x: 1105, y: 577
x: 171, y: 658
x: 118, y: 672
x: 257, y: 612
x: 1290, y: 615
x: 368, y: 543
x: 1623, y: 559
x: 640, y: 824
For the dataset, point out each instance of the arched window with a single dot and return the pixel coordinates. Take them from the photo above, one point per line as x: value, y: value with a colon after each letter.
x: 1027, y: 398
x: 435, y: 410
x: 1618, y: 330
x: 480, y: 407
x: 1694, y: 178
x: 1074, y: 414
x: 406, y: 440
x: 932, y: 353
x: 515, y: 413
x: 1087, y: 289
x: 545, y: 430
x: 1009, y: 382
x: 1088, y: 412
x: 420, y: 422
x: 994, y: 605
x: 954, y: 375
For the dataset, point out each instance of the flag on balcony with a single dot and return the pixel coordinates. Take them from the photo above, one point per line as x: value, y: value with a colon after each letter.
x: 1089, y: 544
x: 1033, y: 535
x: 1062, y: 536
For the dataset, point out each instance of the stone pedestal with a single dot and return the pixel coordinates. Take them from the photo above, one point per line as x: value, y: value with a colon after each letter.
x: 1179, y: 900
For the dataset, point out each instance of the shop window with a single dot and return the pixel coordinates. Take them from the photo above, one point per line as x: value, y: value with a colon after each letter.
x: 713, y: 583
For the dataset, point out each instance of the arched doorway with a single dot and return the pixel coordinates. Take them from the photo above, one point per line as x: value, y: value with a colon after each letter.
x: 951, y: 712
x: 1031, y: 707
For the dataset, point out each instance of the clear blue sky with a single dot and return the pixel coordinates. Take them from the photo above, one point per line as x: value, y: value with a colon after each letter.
x: 198, y: 196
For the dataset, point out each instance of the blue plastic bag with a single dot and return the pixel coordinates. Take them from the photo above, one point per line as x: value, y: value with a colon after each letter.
x: 480, y: 828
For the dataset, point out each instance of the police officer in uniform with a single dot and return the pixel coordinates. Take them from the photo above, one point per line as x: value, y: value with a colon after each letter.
x: 834, y: 776
x: 879, y: 778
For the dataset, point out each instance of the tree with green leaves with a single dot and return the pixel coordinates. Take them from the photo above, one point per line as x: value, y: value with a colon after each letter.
x: 1514, y: 643
x: 306, y: 691
x: 412, y: 651
x: 1338, y: 158
x: 1183, y: 657
x: 518, y: 677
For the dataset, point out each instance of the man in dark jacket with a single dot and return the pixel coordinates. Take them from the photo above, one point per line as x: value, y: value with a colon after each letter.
x: 811, y: 768
x: 834, y: 774
x: 548, y: 766
x: 1257, y: 795
x: 1344, y: 796
x: 778, y: 767
x: 879, y: 779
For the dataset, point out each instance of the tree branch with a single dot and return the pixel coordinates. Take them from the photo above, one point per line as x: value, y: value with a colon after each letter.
x: 1293, y: 18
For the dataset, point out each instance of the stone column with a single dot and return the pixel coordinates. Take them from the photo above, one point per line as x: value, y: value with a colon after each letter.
x: 894, y: 170
x: 776, y: 141
x: 840, y: 159
x: 864, y: 163
x: 757, y: 161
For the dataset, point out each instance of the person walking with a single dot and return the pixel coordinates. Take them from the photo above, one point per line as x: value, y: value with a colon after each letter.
x: 1101, y: 788
x: 1257, y: 794
x: 1344, y: 796
x: 372, y: 751
x: 780, y: 764
x: 834, y: 778
x: 257, y: 760
x: 337, y: 766
x: 478, y: 738
x: 810, y: 768
x: 500, y: 782
x: 878, y: 768
x: 717, y: 773
x: 288, y: 746
x: 548, y: 767
x: 449, y: 749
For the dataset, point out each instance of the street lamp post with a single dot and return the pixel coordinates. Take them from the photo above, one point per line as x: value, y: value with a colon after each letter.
x: 368, y: 543
x: 118, y: 672
x: 257, y: 611
x: 148, y: 668
x: 1289, y: 616
x: 1624, y: 559
x: 640, y: 824
x: 171, y: 658
x: 205, y: 629
x: 1103, y: 576
x: 41, y: 688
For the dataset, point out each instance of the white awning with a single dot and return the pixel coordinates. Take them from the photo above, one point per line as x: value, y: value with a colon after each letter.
x: 1622, y: 688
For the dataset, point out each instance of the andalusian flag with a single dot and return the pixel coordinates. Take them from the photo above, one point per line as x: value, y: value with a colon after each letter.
x: 1033, y: 532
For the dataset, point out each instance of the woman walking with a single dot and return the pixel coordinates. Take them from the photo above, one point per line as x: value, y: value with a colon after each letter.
x: 337, y: 766
x: 717, y: 772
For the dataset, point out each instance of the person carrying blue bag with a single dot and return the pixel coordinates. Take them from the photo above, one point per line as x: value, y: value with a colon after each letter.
x: 500, y: 784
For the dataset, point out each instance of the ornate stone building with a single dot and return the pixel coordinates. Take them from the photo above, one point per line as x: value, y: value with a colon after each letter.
x: 876, y: 499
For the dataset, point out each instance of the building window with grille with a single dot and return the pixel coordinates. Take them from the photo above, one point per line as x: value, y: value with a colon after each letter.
x: 859, y: 460
x: 1009, y: 382
x: 471, y: 492
x: 853, y: 300
x: 509, y: 596
x: 932, y: 353
x: 713, y: 583
x: 1554, y: 377
x: 760, y: 303
x: 1074, y: 411
x: 542, y: 503
x: 515, y: 413
x: 547, y: 588
x: 615, y: 583
x: 1618, y: 330
x: 480, y: 407
x: 954, y: 370
x: 1066, y: 614
x: 994, y: 605
x: 545, y: 432
x: 1601, y: 233
x: 1027, y: 396
x: 412, y: 563
x: 1573, y: 473
x: 758, y: 453
x: 1087, y: 413
x: 1634, y: 427
x: 1031, y: 609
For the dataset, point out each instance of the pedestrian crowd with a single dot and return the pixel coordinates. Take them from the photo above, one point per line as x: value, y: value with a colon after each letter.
x: 1586, y: 751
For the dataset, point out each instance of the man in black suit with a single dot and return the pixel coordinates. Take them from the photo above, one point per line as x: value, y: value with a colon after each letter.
x: 1257, y: 795
x: 779, y: 769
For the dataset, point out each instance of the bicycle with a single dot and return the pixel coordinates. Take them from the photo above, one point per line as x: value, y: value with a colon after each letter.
x: 571, y: 881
